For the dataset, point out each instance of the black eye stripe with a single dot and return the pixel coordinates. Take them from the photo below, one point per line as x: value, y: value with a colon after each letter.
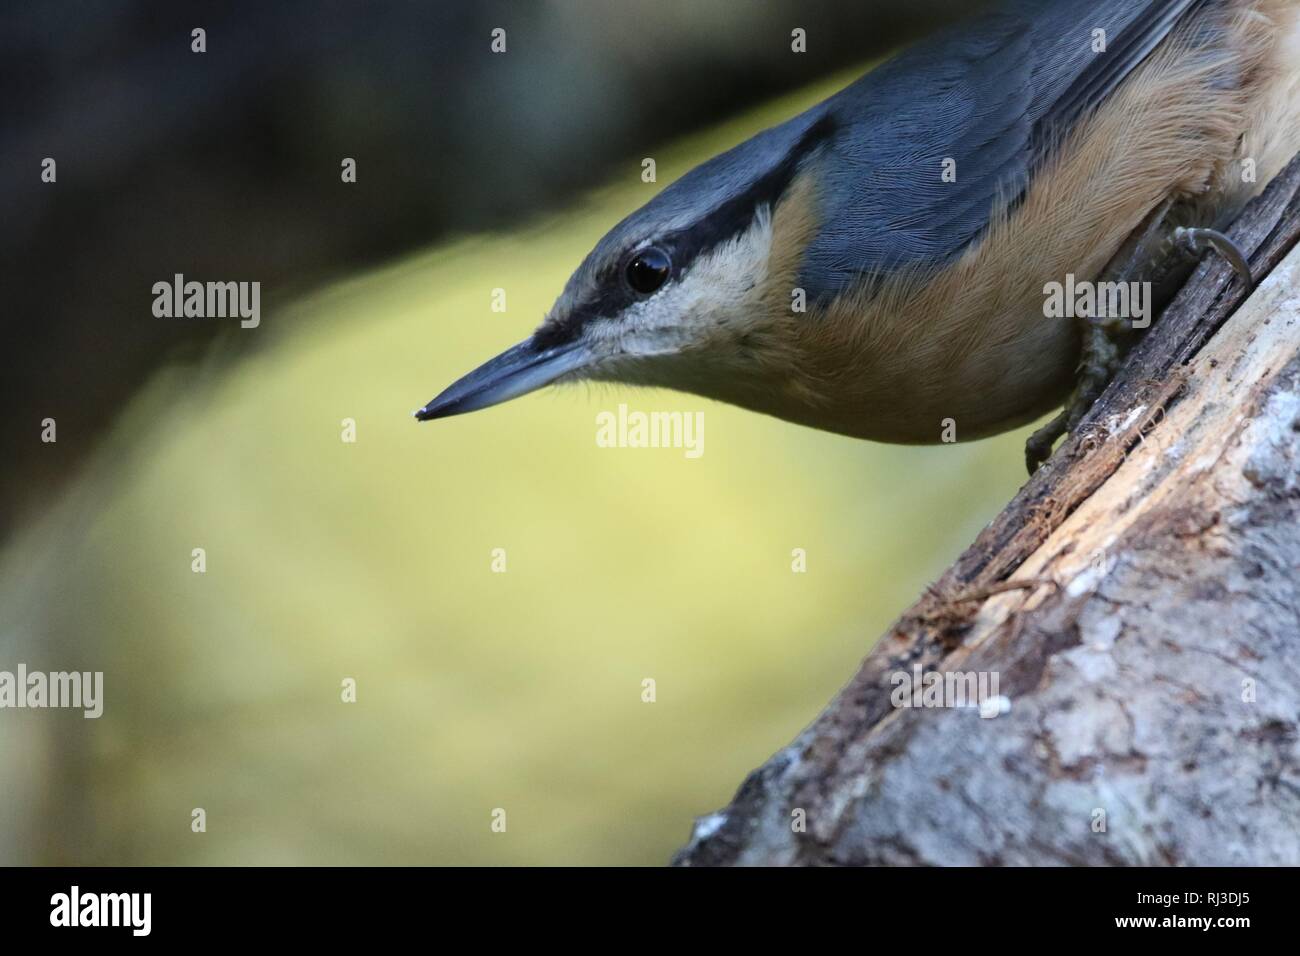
x: 610, y: 293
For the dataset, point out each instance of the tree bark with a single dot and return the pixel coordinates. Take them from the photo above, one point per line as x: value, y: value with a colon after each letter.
x: 1139, y: 605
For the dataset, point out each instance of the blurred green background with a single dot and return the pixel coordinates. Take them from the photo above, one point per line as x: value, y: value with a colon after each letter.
x: 372, y: 560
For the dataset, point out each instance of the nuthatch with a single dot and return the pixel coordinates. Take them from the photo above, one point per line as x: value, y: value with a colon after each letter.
x: 921, y: 213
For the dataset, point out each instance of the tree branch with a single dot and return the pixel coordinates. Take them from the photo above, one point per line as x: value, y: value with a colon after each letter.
x: 1138, y: 603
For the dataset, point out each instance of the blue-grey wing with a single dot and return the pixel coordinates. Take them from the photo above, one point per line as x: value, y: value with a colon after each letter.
x: 990, y: 97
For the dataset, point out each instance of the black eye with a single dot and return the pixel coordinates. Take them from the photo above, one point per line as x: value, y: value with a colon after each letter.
x: 648, y: 270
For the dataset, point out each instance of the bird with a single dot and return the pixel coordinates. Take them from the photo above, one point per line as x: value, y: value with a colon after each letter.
x: 876, y: 266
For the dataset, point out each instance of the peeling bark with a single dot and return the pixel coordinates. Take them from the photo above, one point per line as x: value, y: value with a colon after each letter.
x: 1139, y: 603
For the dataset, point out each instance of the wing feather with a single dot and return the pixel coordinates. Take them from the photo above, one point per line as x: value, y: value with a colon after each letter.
x: 993, y: 96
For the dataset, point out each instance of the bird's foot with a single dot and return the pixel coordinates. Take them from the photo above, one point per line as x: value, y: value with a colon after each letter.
x: 1195, y: 242
x: 1097, y: 366
x: 1038, y: 447
x: 1152, y: 254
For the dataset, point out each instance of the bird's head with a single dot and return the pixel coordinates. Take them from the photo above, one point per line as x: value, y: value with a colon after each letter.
x: 692, y: 291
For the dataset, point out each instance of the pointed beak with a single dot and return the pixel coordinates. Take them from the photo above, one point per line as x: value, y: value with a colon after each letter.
x: 516, y: 371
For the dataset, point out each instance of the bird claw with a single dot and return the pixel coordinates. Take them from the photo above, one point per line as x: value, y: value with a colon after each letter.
x: 1038, y: 447
x: 1195, y: 242
x: 1097, y: 367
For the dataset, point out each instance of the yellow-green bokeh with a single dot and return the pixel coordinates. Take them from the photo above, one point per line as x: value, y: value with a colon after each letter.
x: 371, y: 560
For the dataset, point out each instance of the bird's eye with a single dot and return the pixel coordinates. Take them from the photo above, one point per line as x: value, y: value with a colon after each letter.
x: 648, y: 270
